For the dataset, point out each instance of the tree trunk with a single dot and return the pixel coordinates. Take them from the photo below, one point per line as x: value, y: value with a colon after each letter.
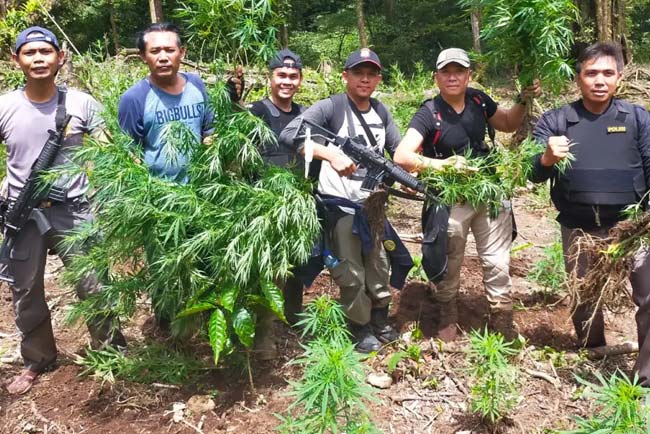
x: 155, y: 10
x: 114, y: 34
x: 283, y: 36
x: 361, y: 25
x: 476, y: 29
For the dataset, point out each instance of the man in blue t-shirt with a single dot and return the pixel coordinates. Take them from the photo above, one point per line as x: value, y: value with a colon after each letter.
x: 164, y: 96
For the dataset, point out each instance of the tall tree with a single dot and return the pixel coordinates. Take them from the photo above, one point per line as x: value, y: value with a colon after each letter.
x: 361, y: 25
x: 155, y: 10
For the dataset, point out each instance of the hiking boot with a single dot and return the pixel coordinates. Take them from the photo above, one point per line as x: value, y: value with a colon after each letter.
x: 447, y: 321
x: 380, y: 327
x: 363, y: 338
x: 264, y: 346
x: 501, y: 322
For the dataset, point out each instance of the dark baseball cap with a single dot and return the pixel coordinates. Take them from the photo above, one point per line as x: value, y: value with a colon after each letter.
x: 285, y: 58
x: 365, y: 55
x: 36, y: 34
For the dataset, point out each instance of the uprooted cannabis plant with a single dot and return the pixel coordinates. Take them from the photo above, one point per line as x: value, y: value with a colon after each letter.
x: 207, y: 251
x: 489, y: 180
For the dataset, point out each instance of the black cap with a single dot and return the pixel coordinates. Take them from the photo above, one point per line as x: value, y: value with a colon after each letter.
x: 285, y: 58
x: 35, y: 34
x: 365, y: 55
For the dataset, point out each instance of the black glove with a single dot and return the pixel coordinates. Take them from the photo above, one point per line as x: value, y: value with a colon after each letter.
x: 235, y: 85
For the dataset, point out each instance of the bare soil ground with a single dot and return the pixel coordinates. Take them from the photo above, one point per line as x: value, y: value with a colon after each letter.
x: 429, y: 397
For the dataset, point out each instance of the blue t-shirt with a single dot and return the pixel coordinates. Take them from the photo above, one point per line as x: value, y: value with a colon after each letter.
x: 144, y: 110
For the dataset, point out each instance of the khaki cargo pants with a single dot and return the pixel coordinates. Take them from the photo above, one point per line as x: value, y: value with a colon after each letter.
x: 493, y: 240
x: 363, y: 280
x: 27, y: 265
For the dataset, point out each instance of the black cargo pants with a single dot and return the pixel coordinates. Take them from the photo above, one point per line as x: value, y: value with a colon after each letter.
x: 27, y: 265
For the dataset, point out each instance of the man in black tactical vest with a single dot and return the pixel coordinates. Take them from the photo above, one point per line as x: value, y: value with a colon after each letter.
x: 443, y: 129
x: 279, y: 108
x: 610, y: 139
x: 277, y: 111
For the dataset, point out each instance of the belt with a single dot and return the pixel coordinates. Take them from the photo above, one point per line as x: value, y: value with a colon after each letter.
x: 49, y: 203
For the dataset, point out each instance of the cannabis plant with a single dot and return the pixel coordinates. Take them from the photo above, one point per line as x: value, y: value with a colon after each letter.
x: 494, y: 179
x: 535, y: 36
x: 329, y: 397
x: 207, y: 251
x: 494, y: 392
x: 623, y: 406
x: 143, y: 364
x: 549, y: 271
x: 237, y: 31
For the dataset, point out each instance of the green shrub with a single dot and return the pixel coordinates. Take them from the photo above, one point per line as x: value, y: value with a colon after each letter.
x: 331, y: 393
x: 623, y: 406
x: 495, y: 382
x: 549, y: 272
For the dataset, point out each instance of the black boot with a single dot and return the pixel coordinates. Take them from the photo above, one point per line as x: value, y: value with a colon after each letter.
x: 292, y: 300
x: 365, y: 341
x: 382, y: 330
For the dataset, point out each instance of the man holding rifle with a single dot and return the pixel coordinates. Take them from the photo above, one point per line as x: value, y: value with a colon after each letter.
x: 362, y: 273
x: 27, y: 116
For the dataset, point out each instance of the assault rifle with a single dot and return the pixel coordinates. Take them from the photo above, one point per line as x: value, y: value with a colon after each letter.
x: 30, y: 196
x: 380, y: 169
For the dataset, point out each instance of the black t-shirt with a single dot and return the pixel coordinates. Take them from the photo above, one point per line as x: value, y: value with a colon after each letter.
x: 457, y: 130
x: 275, y: 153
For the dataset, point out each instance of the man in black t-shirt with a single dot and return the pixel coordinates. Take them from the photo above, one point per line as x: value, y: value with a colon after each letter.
x: 444, y: 129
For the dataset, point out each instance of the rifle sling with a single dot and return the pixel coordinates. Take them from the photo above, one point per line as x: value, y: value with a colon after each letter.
x: 59, y: 117
x: 363, y: 123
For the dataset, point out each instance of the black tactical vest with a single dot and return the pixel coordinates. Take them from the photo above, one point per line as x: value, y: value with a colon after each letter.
x: 607, y: 169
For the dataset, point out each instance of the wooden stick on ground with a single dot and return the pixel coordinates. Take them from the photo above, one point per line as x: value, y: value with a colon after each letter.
x: 612, y: 350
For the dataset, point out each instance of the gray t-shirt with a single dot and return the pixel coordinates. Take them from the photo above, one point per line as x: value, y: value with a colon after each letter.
x: 330, y: 182
x: 24, y: 129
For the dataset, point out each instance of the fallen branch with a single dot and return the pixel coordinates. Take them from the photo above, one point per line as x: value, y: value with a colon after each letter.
x: 612, y: 350
x: 542, y: 375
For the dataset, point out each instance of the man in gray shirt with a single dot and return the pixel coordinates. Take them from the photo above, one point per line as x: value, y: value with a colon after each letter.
x: 362, y: 274
x: 26, y: 115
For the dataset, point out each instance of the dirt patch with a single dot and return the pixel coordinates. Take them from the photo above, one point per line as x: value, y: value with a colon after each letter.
x: 430, y: 397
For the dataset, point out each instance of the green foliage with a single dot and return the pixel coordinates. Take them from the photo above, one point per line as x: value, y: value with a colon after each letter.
x: 490, y: 179
x: 549, y: 271
x: 144, y: 364
x: 208, y: 250
x: 417, y: 272
x: 331, y: 394
x: 240, y: 31
x: 638, y: 23
x: 494, y: 180
x: 623, y: 406
x: 494, y: 391
x: 535, y: 36
x: 18, y: 18
x: 404, y: 94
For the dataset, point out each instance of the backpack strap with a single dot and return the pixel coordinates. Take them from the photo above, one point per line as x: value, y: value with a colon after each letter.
x: 437, y: 122
x: 478, y: 100
x: 340, y: 102
x: 381, y: 110
x: 271, y: 108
